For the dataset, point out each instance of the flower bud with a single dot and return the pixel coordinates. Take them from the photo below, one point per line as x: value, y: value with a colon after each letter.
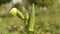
x: 13, y: 11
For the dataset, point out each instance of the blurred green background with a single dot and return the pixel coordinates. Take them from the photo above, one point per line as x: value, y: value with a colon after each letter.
x: 47, y: 16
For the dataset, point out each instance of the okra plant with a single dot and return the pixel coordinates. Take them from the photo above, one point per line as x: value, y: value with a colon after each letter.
x: 28, y: 18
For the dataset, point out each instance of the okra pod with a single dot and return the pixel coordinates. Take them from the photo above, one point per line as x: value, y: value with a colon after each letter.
x: 32, y: 18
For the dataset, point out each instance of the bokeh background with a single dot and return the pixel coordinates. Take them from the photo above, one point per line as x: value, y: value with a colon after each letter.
x: 47, y: 16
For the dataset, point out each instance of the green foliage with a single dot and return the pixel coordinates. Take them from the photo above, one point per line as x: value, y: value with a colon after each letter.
x: 4, y: 1
x: 43, y: 2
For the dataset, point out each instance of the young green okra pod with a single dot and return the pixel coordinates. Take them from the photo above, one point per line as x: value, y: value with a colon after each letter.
x: 32, y: 18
